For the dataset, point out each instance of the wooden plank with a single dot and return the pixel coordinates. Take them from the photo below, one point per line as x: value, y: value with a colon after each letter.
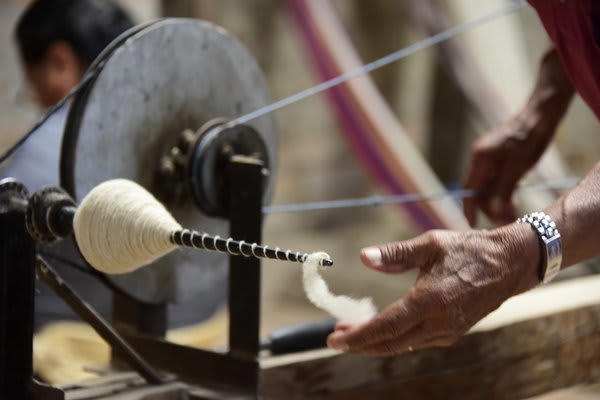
x: 169, y: 391
x: 580, y: 392
x: 515, y: 357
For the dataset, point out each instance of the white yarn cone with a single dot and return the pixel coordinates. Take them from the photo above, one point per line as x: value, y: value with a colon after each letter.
x: 343, y: 308
x: 120, y: 227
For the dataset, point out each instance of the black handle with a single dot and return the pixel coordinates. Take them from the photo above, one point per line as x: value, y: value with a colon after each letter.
x: 299, y: 337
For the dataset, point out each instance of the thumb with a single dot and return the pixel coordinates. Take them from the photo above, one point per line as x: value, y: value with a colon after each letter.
x: 400, y: 256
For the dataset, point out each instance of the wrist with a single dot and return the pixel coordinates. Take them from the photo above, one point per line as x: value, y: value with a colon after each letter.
x: 546, y: 108
x: 522, y: 250
x: 550, y: 241
x: 539, y: 119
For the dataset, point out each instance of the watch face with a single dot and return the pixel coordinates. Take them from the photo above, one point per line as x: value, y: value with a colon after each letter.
x: 553, y: 258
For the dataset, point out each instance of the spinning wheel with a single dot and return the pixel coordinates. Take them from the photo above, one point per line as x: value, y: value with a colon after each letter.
x: 147, y: 91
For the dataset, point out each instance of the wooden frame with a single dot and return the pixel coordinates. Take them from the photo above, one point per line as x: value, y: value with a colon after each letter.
x: 535, y: 343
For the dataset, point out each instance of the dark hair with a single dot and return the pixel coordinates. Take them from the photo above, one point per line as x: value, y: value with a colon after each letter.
x: 87, y: 25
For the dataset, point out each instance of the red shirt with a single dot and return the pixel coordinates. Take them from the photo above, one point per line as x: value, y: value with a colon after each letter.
x: 574, y: 28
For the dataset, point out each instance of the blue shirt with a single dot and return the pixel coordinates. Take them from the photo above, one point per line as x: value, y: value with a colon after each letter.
x: 36, y: 164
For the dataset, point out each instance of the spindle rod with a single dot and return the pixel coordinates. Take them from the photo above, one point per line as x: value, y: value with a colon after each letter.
x: 204, y: 241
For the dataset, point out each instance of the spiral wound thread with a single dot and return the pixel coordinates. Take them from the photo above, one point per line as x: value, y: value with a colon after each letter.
x: 204, y: 241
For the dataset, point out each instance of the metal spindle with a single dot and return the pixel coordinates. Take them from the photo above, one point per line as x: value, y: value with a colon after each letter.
x: 196, y: 240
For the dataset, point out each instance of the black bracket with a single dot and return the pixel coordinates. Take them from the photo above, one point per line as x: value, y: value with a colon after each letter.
x: 17, y: 282
x: 235, y: 371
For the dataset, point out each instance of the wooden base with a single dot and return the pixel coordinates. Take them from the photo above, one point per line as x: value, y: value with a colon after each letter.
x: 535, y: 343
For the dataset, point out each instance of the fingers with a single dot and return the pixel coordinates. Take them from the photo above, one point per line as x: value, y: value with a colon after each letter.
x: 498, y: 204
x: 482, y: 172
x: 392, y: 322
x: 420, y: 336
x: 496, y: 167
x: 470, y: 210
x: 417, y: 339
x: 436, y: 341
x: 343, y: 326
x: 500, y: 208
x: 400, y: 256
x: 395, y: 345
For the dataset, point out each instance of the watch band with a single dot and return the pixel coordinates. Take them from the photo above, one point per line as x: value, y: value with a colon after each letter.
x: 546, y: 230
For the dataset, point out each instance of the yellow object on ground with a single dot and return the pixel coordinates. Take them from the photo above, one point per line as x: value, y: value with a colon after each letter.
x: 63, y: 350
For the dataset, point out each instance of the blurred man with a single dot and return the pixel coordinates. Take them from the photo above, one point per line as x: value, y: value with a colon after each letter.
x: 466, y: 275
x: 57, y: 40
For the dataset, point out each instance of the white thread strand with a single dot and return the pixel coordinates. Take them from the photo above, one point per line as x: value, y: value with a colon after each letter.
x: 120, y: 227
x: 228, y: 248
x: 558, y: 184
x: 249, y: 254
x: 277, y: 251
x: 343, y: 308
x: 241, y: 243
x: 381, y: 62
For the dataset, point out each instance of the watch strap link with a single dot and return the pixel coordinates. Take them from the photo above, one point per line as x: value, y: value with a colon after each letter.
x: 546, y: 230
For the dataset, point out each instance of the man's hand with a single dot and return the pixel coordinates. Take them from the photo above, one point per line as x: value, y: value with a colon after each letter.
x: 498, y: 162
x: 501, y: 158
x: 463, y: 276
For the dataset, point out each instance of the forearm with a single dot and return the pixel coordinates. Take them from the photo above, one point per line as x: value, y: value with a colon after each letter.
x: 577, y: 216
x: 463, y: 276
x: 551, y: 96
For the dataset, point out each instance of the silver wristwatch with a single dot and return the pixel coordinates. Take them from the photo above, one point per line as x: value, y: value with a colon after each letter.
x: 549, y: 237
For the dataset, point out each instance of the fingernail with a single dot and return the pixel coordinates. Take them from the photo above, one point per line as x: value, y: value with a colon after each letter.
x: 335, y: 341
x: 373, y: 254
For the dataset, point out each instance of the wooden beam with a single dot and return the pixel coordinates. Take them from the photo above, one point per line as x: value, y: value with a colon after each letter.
x: 541, y: 341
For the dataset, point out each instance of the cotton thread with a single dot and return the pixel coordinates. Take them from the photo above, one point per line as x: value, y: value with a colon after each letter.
x: 343, y: 308
x: 119, y: 227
